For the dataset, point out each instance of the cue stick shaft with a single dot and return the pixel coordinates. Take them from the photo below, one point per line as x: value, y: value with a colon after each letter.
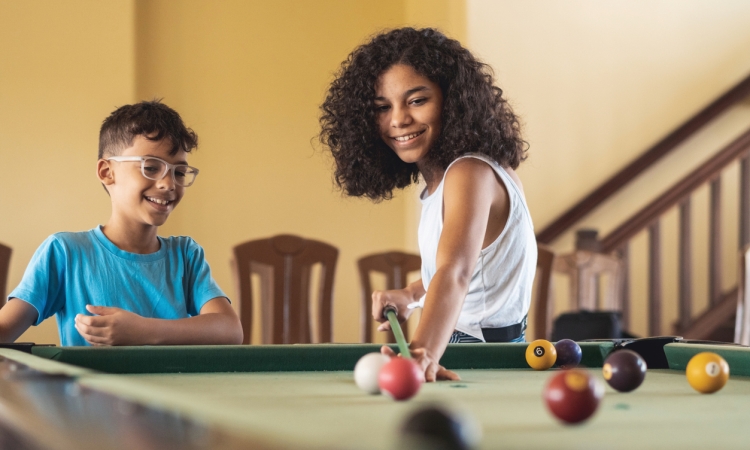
x: 390, y: 313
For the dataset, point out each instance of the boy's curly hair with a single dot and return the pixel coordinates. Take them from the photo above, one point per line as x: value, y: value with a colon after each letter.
x: 475, y: 116
x: 152, y: 119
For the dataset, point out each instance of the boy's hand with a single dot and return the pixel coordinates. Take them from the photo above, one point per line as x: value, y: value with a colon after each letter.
x: 433, y: 371
x: 112, y: 326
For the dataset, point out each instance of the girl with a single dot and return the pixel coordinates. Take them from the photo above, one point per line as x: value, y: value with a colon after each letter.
x: 413, y: 102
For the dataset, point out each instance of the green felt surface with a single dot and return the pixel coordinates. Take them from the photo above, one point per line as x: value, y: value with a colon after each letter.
x: 737, y: 357
x: 285, y: 358
x: 326, y: 410
x: 303, y: 396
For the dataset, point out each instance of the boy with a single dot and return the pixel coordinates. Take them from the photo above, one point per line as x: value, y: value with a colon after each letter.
x: 121, y: 284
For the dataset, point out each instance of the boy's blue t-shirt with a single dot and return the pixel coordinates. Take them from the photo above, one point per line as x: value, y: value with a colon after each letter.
x: 72, y: 270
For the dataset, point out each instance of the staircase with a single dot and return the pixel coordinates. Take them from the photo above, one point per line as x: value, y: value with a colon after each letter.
x: 717, y: 321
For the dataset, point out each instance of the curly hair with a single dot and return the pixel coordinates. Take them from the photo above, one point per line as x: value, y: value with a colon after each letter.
x: 475, y: 116
x: 151, y: 119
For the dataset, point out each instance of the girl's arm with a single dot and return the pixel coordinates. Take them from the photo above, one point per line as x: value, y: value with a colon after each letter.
x: 217, y: 323
x: 475, y: 210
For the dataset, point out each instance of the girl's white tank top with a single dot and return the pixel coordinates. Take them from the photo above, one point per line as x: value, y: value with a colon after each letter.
x: 500, y: 288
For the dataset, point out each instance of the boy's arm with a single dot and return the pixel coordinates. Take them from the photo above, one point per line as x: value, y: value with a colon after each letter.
x: 217, y: 323
x: 15, y: 318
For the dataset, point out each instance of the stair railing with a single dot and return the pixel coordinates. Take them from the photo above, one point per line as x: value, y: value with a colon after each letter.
x: 648, y: 158
x: 721, y: 303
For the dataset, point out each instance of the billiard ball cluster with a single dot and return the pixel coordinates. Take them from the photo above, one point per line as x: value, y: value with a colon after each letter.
x: 398, y: 377
x: 574, y: 395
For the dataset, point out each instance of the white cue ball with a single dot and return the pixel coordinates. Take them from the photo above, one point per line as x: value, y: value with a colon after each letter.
x: 367, y: 370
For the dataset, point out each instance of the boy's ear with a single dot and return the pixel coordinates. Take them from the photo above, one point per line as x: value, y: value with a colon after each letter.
x: 104, y: 172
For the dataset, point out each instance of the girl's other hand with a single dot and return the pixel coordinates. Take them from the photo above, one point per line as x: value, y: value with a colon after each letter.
x: 431, y: 368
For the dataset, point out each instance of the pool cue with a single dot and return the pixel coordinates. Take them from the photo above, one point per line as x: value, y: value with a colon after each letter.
x: 390, y: 313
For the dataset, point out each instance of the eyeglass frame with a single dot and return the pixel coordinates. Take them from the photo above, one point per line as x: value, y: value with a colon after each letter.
x: 170, y: 167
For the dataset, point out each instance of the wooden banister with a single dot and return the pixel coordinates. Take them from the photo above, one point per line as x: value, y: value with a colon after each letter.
x: 706, y: 172
x: 660, y: 149
x: 702, y: 327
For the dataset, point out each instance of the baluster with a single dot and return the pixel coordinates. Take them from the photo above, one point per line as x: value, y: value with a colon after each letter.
x: 744, y: 202
x: 685, y: 255
x: 714, y: 278
x: 624, y: 254
x: 654, y: 279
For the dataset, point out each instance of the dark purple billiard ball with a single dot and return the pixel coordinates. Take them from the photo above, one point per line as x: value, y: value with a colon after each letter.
x: 624, y: 370
x: 568, y: 354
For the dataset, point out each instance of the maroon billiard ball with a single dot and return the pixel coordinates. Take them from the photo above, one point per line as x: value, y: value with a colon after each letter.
x: 624, y: 370
x: 400, y: 378
x: 573, y: 395
x: 568, y: 354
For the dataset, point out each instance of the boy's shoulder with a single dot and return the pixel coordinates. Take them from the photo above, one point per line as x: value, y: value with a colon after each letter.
x: 72, y: 238
x: 181, y: 244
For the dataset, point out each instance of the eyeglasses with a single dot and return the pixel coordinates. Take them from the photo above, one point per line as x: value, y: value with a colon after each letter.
x: 155, y: 169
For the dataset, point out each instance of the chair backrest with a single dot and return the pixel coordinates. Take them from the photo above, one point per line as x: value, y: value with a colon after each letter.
x: 543, y: 298
x: 585, y: 269
x: 396, y: 266
x: 742, y: 324
x: 285, y: 263
x: 5, y: 252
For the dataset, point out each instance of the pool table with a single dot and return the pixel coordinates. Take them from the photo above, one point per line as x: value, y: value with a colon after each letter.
x: 303, y: 396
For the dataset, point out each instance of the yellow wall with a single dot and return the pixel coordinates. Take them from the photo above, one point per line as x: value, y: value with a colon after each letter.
x: 596, y: 83
x: 248, y: 76
x: 63, y: 67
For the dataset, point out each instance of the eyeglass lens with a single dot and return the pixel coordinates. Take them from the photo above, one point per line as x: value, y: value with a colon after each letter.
x: 155, y: 169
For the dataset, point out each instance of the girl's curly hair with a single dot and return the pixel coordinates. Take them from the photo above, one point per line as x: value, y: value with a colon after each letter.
x: 475, y: 117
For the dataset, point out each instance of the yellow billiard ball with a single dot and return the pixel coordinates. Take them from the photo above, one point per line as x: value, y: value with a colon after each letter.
x: 707, y: 372
x: 541, y: 354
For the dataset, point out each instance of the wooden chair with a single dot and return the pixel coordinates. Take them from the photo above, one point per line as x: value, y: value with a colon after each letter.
x: 585, y: 269
x: 396, y: 266
x: 285, y: 263
x: 543, y: 304
x: 5, y: 253
x: 742, y: 321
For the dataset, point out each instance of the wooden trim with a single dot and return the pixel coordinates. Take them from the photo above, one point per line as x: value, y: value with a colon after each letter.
x: 677, y: 193
x: 662, y: 148
x: 685, y: 269
x: 654, y: 279
x: 624, y: 254
x: 713, y: 318
x: 714, y: 247
x: 744, y: 202
x: 5, y: 253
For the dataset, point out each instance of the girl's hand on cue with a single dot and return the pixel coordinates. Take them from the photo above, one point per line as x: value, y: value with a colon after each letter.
x: 432, y: 370
x: 399, y: 298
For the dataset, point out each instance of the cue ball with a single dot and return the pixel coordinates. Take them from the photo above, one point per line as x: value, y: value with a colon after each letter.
x: 707, y: 372
x: 366, y: 372
x: 624, y: 370
x: 400, y: 378
x: 573, y: 395
x: 439, y: 427
x: 568, y: 354
x: 541, y: 354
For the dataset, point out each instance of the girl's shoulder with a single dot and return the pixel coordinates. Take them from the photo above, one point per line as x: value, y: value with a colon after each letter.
x: 482, y: 168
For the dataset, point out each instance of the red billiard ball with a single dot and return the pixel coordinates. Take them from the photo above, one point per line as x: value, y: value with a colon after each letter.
x: 568, y: 354
x: 624, y: 370
x: 573, y: 395
x: 400, y: 378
